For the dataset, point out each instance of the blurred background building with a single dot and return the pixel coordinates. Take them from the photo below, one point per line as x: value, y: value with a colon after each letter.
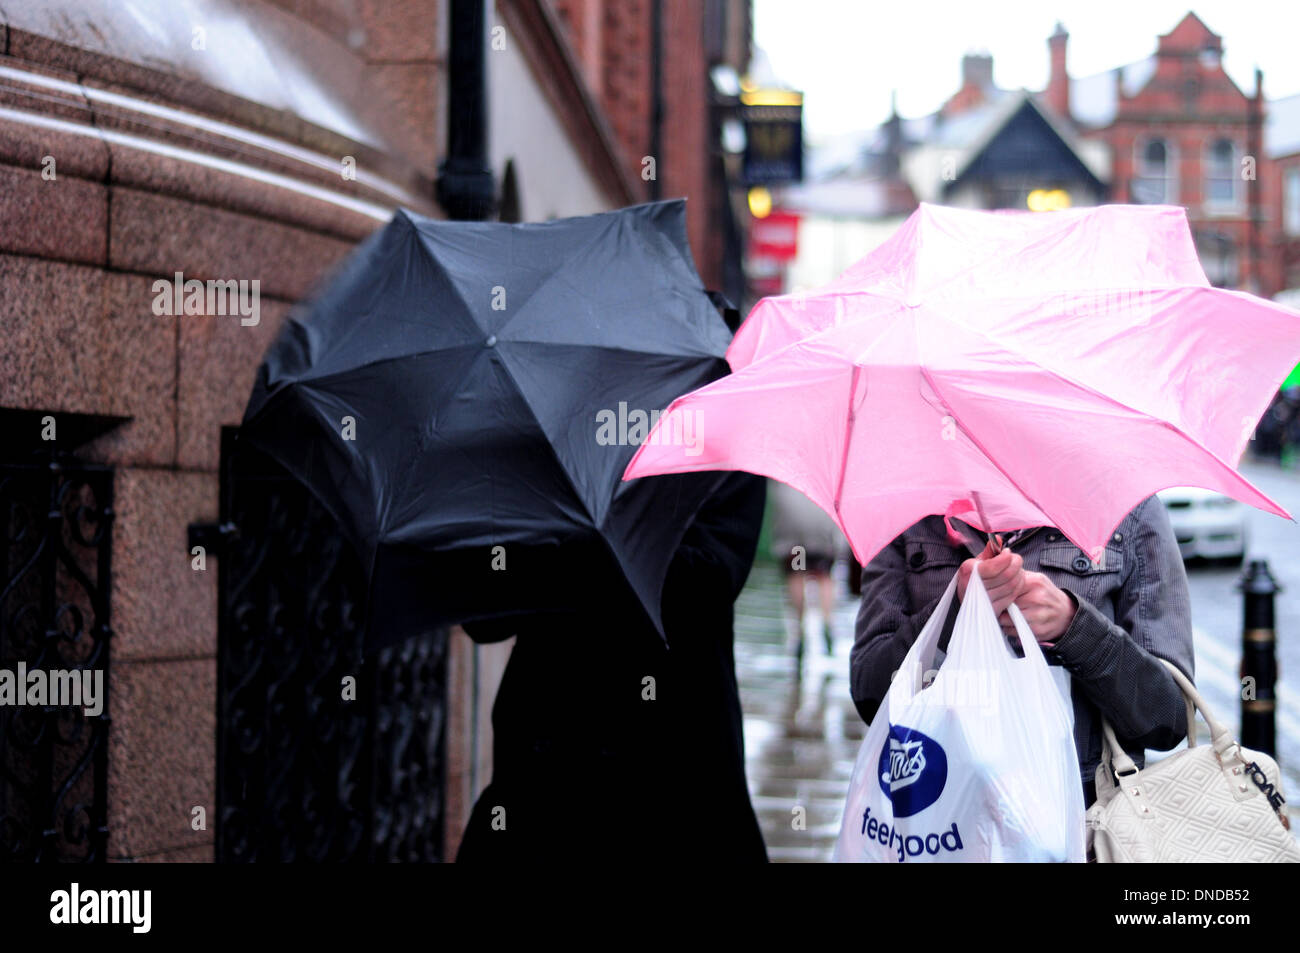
x: 259, y: 141
x: 1173, y: 129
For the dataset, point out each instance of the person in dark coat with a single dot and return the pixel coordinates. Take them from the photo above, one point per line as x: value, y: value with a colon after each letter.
x: 609, y: 745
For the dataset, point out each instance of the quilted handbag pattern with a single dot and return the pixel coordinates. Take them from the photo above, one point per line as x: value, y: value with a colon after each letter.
x: 1218, y: 803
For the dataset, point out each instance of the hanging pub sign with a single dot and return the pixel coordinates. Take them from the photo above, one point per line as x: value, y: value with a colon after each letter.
x: 773, y: 136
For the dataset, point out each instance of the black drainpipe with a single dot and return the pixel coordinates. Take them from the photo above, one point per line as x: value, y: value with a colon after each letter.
x: 466, y: 190
x: 656, y: 93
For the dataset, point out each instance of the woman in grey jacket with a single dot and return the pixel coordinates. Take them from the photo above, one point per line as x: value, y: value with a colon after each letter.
x: 1106, y: 623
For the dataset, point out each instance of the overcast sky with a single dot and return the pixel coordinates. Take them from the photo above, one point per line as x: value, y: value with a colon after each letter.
x: 846, y: 55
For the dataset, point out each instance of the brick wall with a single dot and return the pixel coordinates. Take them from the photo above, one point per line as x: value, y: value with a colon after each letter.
x: 619, y: 54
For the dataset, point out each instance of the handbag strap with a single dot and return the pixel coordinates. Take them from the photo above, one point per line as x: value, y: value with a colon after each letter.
x: 1220, y: 737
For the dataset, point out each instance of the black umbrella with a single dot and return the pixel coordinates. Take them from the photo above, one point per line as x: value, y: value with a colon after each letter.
x: 464, y: 398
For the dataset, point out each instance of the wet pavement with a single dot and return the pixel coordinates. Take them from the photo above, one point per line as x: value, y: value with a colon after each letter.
x: 801, y: 734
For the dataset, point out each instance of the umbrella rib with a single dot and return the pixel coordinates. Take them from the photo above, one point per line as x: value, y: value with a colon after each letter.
x: 354, y: 368
x: 1043, y: 361
x: 1042, y: 365
x: 653, y: 614
x: 688, y: 356
x: 281, y: 395
x: 287, y: 387
x: 992, y: 339
x: 900, y: 304
x: 414, y: 462
x: 427, y: 252
x: 638, y: 228
x: 848, y: 442
x: 523, y: 399
x: 424, y: 251
x: 514, y: 315
x: 925, y: 372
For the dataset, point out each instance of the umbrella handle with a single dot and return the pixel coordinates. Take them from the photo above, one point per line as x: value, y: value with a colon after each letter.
x: 995, y: 539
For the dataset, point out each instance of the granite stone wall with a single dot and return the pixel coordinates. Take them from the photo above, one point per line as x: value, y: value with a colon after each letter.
x: 126, y: 156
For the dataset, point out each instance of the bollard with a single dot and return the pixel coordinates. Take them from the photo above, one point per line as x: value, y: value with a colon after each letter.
x: 1258, y: 658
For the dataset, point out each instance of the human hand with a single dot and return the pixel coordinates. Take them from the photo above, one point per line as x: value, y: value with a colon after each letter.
x: 1047, y: 608
x: 1003, y: 577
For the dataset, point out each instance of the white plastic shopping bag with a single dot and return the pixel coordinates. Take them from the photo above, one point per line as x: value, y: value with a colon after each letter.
x: 978, y: 766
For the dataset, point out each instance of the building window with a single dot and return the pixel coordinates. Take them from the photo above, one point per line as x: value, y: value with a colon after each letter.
x: 1291, y: 202
x: 1221, y: 173
x: 1154, y: 182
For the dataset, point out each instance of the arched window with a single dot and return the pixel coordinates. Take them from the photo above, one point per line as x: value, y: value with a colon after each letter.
x: 1154, y: 181
x: 1221, y: 173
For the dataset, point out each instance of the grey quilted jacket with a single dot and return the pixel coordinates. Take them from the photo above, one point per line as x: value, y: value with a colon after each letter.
x: 1133, y: 608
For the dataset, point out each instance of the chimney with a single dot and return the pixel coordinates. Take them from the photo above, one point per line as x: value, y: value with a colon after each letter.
x: 977, y: 71
x: 976, y: 84
x: 1058, y: 83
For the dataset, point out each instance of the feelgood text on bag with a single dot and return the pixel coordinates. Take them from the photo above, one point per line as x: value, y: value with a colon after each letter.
x: 910, y: 845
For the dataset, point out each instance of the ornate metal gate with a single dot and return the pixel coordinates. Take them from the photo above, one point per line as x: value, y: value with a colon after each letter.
x: 55, y: 550
x: 305, y: 772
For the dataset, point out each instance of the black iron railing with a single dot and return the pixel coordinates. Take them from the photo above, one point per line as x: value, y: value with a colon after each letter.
x: 56, y: 516
x: 323, y: 754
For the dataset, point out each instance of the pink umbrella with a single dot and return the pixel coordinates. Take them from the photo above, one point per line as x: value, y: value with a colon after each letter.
x: 949, y: 254
x: 1013, y: 369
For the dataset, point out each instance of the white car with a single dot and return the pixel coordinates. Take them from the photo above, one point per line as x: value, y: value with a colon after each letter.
x: 1206, y: 523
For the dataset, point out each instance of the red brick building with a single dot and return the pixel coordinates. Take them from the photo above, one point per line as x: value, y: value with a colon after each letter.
x: 1184, y: 134
x: 1282, y: 146
x: 613, y: 43
x: 1172, y: 128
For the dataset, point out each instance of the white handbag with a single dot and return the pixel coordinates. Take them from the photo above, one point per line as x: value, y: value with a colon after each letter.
x: 1222, y: 803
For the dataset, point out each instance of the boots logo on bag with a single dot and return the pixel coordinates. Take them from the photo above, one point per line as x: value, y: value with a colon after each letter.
x: 913, y: 770
x: 906, y: 762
